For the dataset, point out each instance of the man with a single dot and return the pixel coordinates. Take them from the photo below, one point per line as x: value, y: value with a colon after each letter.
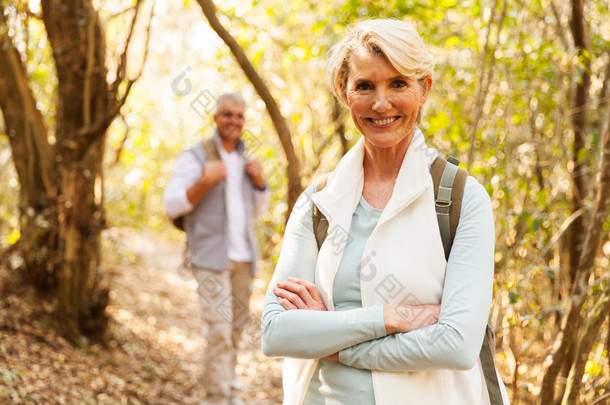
x: 217, y: 193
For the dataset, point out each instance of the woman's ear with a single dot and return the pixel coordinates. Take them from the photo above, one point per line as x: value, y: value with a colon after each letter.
x: 426, y: 85
x: 342, y: 92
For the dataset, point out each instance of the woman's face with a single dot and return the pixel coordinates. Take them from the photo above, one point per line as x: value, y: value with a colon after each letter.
x: 383, y: 103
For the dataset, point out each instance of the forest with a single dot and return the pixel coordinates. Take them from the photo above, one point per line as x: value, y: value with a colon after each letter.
x: 98, y: 97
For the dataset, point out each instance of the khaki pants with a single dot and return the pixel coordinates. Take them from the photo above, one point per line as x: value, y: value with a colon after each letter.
x: 225, y: 304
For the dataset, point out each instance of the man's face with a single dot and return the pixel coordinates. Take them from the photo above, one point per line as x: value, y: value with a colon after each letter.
x: 229, y: 120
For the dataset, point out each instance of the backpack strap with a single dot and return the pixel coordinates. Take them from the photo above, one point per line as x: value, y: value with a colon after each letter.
x: 320, y: 223
x: 445, y: 174
x: 449, y: 181
x: 488, y: 365
x: 211, y: 149
x: 208, y: 151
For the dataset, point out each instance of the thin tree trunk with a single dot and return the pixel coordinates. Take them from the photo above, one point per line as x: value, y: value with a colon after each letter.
x: 279, y: 122
x: 576, y: 232
x: 584, y: 348
x: 572, y: 326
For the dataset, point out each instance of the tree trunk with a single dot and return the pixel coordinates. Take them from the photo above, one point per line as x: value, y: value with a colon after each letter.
x: 33, y: 156
x: 279, y: 122
x: 81, y: 301
x: 82, y: 100
x: 62, y: 212
x: 569, y: 335
x: 565, y: 348
x: 580, y: 176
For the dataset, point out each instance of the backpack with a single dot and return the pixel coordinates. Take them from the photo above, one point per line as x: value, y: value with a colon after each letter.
x: 449, y: 181
x: 207, y: 152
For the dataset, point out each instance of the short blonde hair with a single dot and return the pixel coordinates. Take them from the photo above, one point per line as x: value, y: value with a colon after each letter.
x: 394, y: 39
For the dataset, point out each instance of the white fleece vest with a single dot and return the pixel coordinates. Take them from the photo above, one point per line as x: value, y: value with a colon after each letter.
x: 403, y: 261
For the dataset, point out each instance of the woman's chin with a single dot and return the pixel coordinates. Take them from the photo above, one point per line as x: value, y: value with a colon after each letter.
x: 383, y: 141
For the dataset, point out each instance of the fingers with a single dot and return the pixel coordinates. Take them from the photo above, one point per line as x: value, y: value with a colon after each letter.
x: 289, y: 299
x: 313, y: 298
x: 255, y: 170
x: 215, y: 170
x: 253, y: 165
x: 286, y: 304
x: 300, y: 293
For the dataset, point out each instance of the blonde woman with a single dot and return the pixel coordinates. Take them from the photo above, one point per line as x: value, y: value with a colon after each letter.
x: 377, y: 315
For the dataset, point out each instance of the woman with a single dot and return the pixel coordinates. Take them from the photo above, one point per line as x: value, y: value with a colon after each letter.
x: 378, y: 316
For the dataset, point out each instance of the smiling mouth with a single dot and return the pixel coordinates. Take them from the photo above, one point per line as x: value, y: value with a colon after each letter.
x: 384, y: 121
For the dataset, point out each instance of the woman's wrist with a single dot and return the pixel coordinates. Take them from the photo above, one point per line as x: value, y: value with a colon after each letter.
x: 389, y: 319
x: 402, y: 318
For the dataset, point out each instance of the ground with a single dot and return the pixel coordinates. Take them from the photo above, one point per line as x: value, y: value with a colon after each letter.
x: 155, y: 353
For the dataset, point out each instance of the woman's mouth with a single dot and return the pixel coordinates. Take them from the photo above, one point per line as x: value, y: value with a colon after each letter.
x: 383, y: 122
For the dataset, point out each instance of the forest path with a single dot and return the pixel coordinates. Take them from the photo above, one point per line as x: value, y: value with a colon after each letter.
x: 155, y: 354
x: 166, y: 306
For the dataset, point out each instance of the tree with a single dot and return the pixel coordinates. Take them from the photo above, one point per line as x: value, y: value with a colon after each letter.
x: 279, y: 122
x: 58, y: 159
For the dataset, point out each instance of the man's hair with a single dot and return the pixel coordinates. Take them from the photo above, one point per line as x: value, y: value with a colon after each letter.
x: 393, y: 39
x: 235, y: 97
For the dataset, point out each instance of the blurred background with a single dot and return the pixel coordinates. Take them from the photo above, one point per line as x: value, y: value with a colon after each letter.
x: 99, y: 97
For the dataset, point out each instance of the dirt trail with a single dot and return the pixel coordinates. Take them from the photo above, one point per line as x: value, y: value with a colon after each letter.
x: 156, y: 350
x: 165, y: 304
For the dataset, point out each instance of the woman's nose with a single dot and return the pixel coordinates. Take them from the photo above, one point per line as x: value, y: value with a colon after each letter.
x: 381, y: 103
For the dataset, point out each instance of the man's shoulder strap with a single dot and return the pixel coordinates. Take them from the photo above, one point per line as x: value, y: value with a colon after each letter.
x: 210, y: 148
x: 208, y: 151
x: 449, y: 182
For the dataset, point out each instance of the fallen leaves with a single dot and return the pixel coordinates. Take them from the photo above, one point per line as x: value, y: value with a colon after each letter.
x: 154, y: 356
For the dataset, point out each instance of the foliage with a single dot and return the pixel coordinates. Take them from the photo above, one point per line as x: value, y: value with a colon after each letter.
x: 501, y: 102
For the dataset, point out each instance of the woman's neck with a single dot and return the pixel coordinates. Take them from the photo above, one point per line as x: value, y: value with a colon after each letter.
x: 383, y: 164
x: 381, y: 167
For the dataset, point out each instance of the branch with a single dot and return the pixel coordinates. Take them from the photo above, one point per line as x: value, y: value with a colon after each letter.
x: 120, y: 148
x: 561, y: 30
x: 130, y: 82
x: 585, y: 344
x: 13, y: 70
x: 485, y: 78
x: 600, y: 399
x: 279, y: 122
x: 564, y: 226
x: 122, y: 66
x: 91, y: 132
x: 120, y: 13
x: 89, y: 66
x: 7, y: 252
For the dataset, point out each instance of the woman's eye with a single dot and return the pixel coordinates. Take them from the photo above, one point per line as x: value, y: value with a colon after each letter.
x: 400, y: 84
x: 363, y: 86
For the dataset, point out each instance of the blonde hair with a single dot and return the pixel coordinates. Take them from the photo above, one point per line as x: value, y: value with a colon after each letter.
x: 394, y: 39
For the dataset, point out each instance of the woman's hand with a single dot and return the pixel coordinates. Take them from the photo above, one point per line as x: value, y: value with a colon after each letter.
x: 296, y: 293
x: 400, y: 318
